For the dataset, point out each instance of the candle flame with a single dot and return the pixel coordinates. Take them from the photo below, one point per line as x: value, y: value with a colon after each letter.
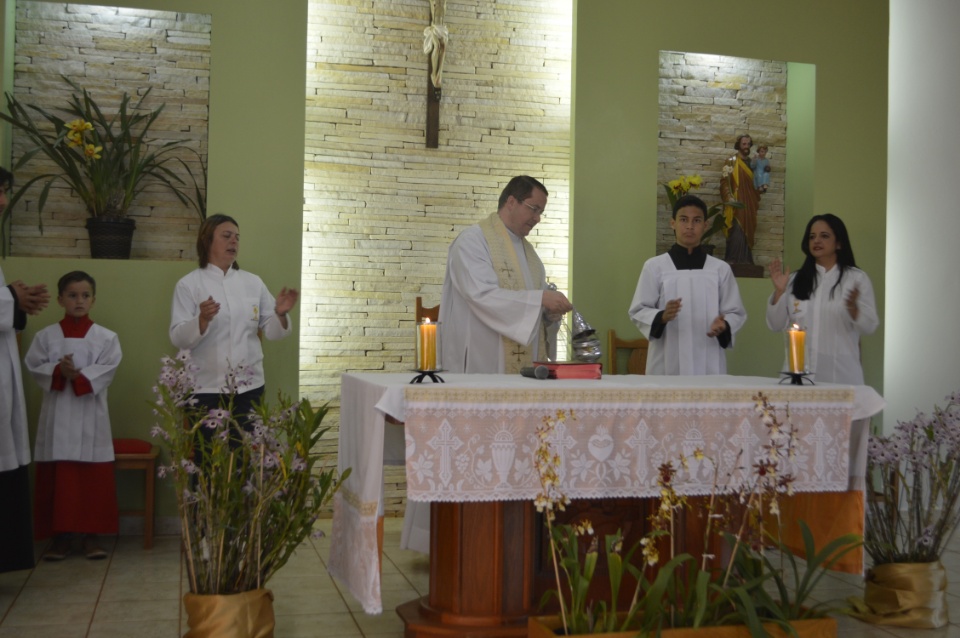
x: 426, y: 320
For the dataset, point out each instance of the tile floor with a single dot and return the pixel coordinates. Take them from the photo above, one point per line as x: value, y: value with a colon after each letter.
x: 136, y: 593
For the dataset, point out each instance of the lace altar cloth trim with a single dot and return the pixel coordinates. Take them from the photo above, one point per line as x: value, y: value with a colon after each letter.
x: 470, y: 445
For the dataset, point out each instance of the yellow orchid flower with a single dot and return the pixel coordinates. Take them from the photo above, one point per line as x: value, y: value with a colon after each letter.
x: 75, y: 138
x: 79, y: 126
x: 92, y: 152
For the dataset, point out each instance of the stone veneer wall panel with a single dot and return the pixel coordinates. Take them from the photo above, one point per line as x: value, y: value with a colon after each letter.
x: 380, y: 209
x: 706, y: 101
x: 109, y: 50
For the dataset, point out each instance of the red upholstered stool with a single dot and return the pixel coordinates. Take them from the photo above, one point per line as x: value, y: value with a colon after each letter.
x: 137, y: 454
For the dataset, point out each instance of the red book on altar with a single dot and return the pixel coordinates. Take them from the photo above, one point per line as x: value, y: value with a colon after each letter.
x: 571, y: 369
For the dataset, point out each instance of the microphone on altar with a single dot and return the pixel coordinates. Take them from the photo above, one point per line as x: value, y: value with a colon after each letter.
x: 535, y: 372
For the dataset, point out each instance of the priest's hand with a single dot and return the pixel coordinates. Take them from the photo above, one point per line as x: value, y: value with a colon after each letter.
x: 718, y: 326
x: 31, y: 299
x: 672, y: 310
x: 555, y: 302
x: 779, y: 276
x: 208, y: 310
x: 851, y: 302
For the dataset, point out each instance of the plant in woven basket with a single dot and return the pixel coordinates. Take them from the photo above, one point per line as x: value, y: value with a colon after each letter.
x: 247, y: 498
x: 106, y: 159
x: 912, y: 512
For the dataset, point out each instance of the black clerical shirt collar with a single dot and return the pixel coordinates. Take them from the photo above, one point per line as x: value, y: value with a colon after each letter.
x: 683, y: 260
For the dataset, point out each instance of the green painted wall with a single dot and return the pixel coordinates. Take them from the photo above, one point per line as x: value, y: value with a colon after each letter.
x: 841, y: 168
x: 258, y: 65
x: 256, y: 170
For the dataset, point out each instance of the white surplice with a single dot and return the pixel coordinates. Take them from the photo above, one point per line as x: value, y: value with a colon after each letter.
x: 14, y: 442
x: 475, y: 311
x: 71, y: 427
x: 684, y: 348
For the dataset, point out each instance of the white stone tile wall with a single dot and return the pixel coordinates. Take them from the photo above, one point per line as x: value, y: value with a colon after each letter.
x: 109, y: 51
x: 380, y: 209
x: 706, y: 101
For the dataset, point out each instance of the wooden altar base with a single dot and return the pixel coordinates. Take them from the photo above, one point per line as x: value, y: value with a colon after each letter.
x: 490, y: 565
x: 481, y: 572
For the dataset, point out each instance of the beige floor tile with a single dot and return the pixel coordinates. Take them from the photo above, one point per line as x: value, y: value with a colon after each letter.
x: 317, y: 625
x: 141, y: 610
x: 308, y: 601
x: 155, y: 571
x: 44, y: 631
x: 84, y: 592
x: 121, y: 591
x: 128, y: 629
x: 38, y: 614
x: 386, y: 623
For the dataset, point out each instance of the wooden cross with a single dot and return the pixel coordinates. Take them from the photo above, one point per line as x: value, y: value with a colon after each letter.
x: 434, y: 45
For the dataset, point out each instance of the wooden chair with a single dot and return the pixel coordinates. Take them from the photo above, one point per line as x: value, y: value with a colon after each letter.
x: 637, y: 362
x: 427, y: 312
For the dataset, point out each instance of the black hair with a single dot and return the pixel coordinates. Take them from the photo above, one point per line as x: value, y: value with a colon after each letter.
x: 520, y: 188
x: 806, y: 280
x: 689, y: 200
x: 73, y: 277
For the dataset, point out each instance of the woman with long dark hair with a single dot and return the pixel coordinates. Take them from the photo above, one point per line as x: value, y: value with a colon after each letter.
x: 829, y: 297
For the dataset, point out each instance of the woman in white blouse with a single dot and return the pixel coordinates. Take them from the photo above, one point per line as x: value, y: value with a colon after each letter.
x: 217, y: 312
x: 829, y: 297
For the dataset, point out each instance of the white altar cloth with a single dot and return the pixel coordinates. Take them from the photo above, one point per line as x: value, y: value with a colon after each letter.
x: 367, y: 441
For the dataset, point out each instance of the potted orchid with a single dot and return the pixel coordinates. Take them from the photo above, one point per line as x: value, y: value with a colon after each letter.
x: 912, y: 512
x: 247, y: 498
x: 106, y: 159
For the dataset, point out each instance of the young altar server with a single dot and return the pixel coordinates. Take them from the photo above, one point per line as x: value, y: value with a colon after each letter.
x: 687, y: 303
x: 74, y: 362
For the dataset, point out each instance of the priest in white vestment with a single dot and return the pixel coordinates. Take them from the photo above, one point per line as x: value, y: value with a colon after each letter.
x: 496, y: 313
x: 687, y: 303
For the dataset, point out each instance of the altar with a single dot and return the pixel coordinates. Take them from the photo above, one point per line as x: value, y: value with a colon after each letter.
x: 471, y: 440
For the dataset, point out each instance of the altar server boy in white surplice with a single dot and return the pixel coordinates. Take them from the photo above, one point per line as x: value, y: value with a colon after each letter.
x: 687, y: 303
x: 74, y: 361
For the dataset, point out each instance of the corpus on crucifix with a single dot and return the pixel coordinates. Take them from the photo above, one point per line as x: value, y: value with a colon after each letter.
x: 435, y: 45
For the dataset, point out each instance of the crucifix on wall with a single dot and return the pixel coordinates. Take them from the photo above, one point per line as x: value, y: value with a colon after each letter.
x: 435, y: 45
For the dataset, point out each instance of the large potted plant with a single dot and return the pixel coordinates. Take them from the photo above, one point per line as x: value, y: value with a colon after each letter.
x: 106, y: 160
x: 247, y: 498
x: 912, y: 512
x: 749, y: 592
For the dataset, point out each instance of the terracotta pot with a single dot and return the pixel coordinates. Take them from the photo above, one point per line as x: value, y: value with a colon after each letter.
x: 546, y: 626
x: 245, y: 615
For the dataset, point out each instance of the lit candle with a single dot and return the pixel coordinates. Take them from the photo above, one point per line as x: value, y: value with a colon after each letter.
x: 796, y: 340
x: 427, y: 346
